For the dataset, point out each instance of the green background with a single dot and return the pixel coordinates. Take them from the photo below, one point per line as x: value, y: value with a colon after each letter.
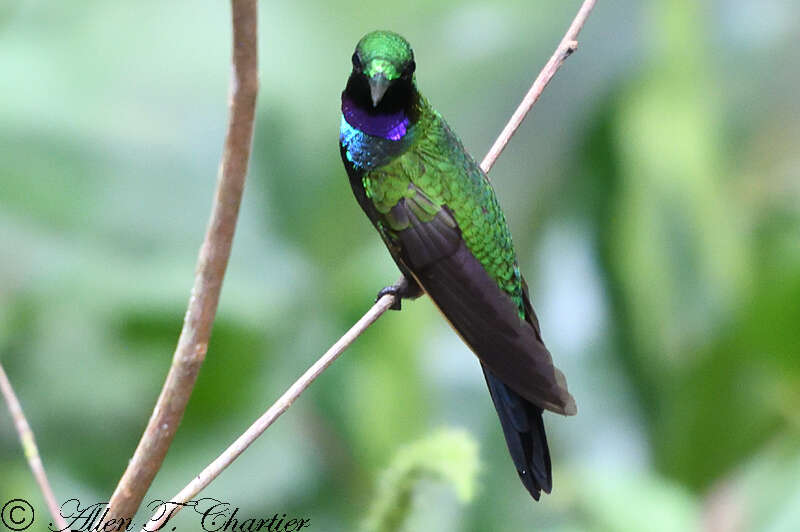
x: 654, y: 198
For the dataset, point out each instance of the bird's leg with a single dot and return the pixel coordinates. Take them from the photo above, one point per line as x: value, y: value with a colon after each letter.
x: 405, y: 288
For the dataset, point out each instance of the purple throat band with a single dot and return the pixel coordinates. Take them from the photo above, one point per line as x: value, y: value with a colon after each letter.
x: 392, y: 126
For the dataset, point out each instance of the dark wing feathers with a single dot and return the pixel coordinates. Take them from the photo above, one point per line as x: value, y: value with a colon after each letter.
x: 486, y: 318
x: 423, y: 242
x: 483, y: 315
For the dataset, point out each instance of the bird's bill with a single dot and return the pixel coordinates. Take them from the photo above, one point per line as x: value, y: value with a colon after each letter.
x: 378, y: 85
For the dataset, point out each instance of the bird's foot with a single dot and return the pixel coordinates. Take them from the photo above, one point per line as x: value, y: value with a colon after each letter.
x: 402, y: 289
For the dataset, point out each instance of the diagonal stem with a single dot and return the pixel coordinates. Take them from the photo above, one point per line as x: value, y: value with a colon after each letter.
x: 565, y: 48
x: 31, y: 450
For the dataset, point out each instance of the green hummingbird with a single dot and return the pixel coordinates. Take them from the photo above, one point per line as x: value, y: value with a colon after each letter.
x: 439, y: 217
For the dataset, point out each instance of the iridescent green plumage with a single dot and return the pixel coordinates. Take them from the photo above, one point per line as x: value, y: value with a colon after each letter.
x: 382, y: 51
x: 427, y: 171
x: 439, y: 217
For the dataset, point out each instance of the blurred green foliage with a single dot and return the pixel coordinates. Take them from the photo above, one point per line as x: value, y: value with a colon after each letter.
x: 654, y: 196
x: 447, y: 455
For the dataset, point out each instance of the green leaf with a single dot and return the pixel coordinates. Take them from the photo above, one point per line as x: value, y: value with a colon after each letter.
x: 447, y: 455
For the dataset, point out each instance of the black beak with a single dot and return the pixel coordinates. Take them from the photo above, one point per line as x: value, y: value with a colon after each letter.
x: 377, y: 88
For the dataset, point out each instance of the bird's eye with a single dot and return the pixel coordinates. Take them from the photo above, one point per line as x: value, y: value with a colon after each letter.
x: 409, y: 70
x: 356, y: 61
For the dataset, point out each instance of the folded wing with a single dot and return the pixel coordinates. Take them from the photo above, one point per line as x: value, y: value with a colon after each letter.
x: 483, y: 315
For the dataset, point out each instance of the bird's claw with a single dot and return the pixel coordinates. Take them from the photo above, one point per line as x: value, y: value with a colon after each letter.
x: 405, y: 288
x: 394, y: 290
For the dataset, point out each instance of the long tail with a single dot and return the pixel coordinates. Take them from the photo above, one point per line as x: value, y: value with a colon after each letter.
x: 524, y: 431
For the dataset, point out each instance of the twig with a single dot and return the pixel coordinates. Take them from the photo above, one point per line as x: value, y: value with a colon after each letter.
x: 568, y: 44
x: 279, y: 407
x: 211, y: 263
x: 29, y: 447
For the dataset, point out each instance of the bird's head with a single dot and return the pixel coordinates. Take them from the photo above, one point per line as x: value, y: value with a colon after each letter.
x: 383, y: 70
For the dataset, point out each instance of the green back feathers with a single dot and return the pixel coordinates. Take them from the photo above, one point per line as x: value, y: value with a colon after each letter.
x: 384, y: 52
x: 444, y: 174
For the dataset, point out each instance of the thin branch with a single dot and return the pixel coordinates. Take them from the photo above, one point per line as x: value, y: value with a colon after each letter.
x: 567, y: 46
x: 29, y: 447
x: 211, y: 263
x: 279, y: 407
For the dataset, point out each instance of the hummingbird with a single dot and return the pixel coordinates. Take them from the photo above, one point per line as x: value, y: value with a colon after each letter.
x: 438, y: 215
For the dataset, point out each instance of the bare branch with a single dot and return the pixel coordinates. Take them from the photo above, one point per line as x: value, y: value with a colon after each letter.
x: 568, y: 45
x: 29, y: 447
x: 211, y: 263
x: 565, y: 48
x: 279, y: 407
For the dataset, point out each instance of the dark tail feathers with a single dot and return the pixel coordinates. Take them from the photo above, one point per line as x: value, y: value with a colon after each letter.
x: 524, y: 431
